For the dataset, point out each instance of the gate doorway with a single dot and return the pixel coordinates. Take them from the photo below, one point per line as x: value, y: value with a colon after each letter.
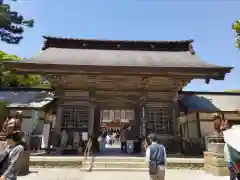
x: 114, y: 124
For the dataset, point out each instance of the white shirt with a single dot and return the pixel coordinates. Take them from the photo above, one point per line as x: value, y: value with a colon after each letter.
x: 108, y: 138
x: 226, y: 153
x: 148, y: 153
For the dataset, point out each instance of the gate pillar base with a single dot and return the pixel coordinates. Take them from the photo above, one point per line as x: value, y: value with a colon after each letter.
x: 214, y: 162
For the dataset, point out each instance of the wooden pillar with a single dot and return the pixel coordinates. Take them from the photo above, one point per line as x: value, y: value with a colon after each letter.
x: 223, y: 116
x: 59, y: 93
x: 187, y: 127
x: 58, y: 119
x: 175, y: 120
x: 176, y: 127
x: 91, y: 119
x: 96, y: 129
x: 137, y: 121
x: 198, y: 125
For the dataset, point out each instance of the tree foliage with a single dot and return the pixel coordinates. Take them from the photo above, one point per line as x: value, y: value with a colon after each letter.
x: 234, y: 91
x: 12, y: 24
x: 8, y: 79
x: 236, y: 29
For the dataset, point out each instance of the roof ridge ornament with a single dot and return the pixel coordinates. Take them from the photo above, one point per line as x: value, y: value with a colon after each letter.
x: 44, y: 47
x: 192, y: 51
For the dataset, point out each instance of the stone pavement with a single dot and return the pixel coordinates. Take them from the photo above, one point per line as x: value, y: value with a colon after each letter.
x: 75, y: 174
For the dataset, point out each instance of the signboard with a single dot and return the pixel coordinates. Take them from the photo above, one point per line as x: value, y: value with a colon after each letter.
x: 45, y: 135
x: 143, y: 122
x: 35, y: 119
x: 84, y: 136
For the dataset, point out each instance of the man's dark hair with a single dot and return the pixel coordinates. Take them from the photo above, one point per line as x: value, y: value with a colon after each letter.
x: 15, y: 136
x: 153, y: 137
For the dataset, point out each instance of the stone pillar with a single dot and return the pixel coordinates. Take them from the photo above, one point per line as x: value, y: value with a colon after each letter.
x: 214, y: 162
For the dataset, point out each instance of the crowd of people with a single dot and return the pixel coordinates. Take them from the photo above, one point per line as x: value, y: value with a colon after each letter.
x: 107, y: 139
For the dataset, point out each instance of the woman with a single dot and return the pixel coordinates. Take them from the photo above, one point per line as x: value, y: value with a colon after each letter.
x: 11, y: 157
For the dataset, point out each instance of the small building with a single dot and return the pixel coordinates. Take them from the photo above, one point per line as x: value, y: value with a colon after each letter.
x: 201, y: 106
x: 196, y: 116
x: 36, y: 106
x: 91, y: 76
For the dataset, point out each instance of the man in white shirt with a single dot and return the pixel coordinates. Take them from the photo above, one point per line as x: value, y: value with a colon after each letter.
x: 156, y: 159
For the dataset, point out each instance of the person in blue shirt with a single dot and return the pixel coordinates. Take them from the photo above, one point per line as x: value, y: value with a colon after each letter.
x: 156, y: 159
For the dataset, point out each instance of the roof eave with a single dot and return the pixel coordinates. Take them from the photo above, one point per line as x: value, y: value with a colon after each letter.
x: 217, y: 73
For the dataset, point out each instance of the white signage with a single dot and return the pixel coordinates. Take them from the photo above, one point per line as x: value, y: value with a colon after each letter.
x: 84, y: 136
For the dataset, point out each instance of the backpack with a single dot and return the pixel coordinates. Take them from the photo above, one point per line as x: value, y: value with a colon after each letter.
x: 153, y: 164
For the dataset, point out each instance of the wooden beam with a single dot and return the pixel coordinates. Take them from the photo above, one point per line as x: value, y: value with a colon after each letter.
x: 43, y: 71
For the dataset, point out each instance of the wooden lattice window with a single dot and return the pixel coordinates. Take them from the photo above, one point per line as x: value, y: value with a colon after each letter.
x: 117, y: 114
x: 75, y: 118
x: 159, y: 120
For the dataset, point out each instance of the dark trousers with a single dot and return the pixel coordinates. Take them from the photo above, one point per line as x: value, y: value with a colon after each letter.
x: 232, y: 174
x: 124, y: 146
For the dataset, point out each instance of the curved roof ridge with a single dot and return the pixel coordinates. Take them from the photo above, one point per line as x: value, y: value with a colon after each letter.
x: 132, y: 45
x: 115, y: 40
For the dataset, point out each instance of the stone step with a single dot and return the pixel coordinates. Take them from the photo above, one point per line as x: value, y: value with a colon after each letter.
x: 115, y: 169
x: 109, y: 162
x: 119, y: 159
x: 143, y: 160
x: 114, y: 165
x: 121, y: 169
x: 110, y: 166
x: 215, y: 170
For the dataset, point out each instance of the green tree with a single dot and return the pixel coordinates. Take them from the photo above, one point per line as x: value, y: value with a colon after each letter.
x: 12, y: 24
x: 8, y: 79
x: 236, y: 29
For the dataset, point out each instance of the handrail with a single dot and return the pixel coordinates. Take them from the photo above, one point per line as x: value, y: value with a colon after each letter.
x: 88, y: 148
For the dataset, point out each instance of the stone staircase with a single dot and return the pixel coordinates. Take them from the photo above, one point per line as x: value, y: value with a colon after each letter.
x: 135, y: 164
x: 214, y: 161
x: 115, y: 164
x: 110, y: 163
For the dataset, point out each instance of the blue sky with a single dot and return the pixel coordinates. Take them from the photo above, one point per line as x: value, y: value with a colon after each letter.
x: 207, y: 22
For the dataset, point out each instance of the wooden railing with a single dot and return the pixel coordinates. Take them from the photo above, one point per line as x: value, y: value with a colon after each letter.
x: 192, y: 146
x: 88, y: 149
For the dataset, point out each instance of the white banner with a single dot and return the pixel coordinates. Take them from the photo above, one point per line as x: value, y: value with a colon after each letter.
x: 231, y: 137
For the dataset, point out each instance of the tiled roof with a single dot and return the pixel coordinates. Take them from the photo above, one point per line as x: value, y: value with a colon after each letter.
x: 117, y: 58
x: 211, y: 102
x: 135, y: 56
x: 26, y: 99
